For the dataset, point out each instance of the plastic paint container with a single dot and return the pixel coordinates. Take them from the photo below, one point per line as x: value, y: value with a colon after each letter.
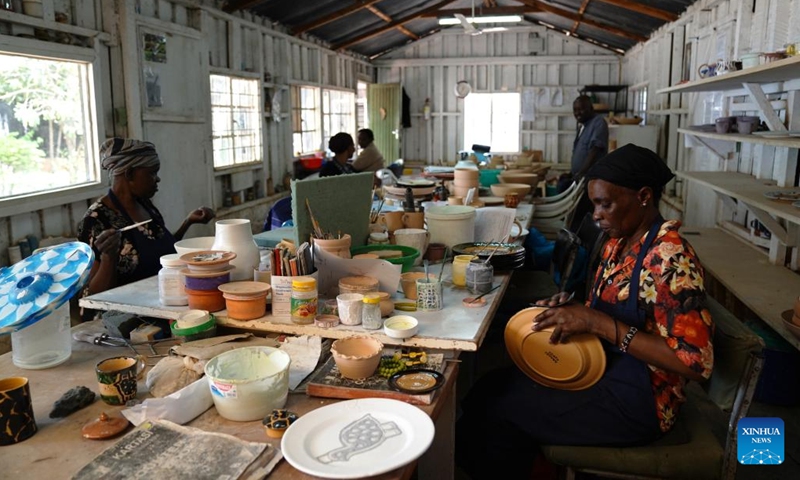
x: 249, y: 382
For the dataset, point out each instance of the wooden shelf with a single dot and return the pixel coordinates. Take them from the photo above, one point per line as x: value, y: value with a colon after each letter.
x: 764, y: 288
x: 748, y: 189
x: 778, y: 71
x: 791, y: 142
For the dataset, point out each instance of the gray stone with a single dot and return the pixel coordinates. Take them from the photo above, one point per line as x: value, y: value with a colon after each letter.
x: 72, y: 401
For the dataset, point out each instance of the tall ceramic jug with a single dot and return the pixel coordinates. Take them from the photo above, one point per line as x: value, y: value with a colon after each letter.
x: 236, y: 236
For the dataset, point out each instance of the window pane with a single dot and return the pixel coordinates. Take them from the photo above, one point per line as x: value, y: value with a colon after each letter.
x: 45, y: 121
x: 235, y: 120
x: 492, y: 119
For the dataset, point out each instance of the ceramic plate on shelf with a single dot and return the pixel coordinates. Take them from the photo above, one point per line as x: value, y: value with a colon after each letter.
x: 357, y: 438
x: 784, y: 195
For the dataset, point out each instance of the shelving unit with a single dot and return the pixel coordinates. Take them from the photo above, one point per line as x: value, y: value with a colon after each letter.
x: 620, y: 92
x: 790, y: 142
x: 778, y: 71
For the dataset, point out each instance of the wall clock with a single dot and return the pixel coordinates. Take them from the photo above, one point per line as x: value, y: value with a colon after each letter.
x: 462, y: 89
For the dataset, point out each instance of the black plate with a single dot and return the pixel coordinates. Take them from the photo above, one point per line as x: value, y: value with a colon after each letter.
x: 509, y: 256
x: 431, y: 380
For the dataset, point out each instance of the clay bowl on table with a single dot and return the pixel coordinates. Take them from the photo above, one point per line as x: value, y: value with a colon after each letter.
x: 357, y: 357
x: 503, y: 189
x: 208, y: 260
x: 408, y: 282
x: 527, y: 178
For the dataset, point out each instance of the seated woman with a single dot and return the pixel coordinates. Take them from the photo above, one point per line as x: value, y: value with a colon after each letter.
x: 656, y: 336
x: 370, y: 158
x: 343, y: 148
x: 125, y: 257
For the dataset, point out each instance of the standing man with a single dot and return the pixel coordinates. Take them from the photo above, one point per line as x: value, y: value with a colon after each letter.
x: 370, y: 159
x: 590, y: 145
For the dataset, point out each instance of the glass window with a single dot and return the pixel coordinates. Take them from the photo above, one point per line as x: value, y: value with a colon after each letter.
x: 640, y: 103
x: 46, y: 125
x: 338, y: 113
x: 492, y: 119
x: 306, y: 128
x: 361, y: 106
x: 235, y: 119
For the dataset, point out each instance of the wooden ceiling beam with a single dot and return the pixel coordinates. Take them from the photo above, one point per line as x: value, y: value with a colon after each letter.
x: 393, y: 24
x: 580, y: 12
x: 638, y: 7
x: 234, y: 5
x: 569, y: 15
x: 387, y: 18
x: 467, y: 12
x: 334, y: 16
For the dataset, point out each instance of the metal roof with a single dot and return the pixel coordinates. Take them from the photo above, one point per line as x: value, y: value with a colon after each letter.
x: 374, y: 27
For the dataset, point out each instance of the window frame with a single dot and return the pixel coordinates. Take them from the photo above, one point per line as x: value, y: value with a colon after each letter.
x: 31, y: 202
x: 259, y: 115
x: 353, y: 114
x: 297, y: 114
x: 640, y: 98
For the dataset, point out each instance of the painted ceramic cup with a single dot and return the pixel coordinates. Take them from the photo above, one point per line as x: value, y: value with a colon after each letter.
x: 117, y: 378
x: 429, y: 295
x: 414, y: 220
x: 511, y: 200
x: 16, y: 411
x: 350, y: 306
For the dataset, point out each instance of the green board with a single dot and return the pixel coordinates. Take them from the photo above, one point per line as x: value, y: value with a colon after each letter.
x: 340, y: 204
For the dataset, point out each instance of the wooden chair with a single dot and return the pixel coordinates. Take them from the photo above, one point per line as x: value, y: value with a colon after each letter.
x: 689, y: 450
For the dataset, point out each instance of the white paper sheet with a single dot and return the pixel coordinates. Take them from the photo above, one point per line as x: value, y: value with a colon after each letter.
x: 304, y: 352
x: 180, y: 407
x: 493, y: 224
x: 331, y: 268
x: 528, y: 105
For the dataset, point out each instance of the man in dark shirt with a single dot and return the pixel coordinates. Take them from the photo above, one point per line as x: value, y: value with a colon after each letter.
x: 591, y: 141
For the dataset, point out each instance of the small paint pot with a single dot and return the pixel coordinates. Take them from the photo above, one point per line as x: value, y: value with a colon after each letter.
x: 211, y: 300
x: 205, y: 282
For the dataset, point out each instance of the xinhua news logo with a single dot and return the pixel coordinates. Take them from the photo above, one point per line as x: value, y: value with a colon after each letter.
x: 760, y: 441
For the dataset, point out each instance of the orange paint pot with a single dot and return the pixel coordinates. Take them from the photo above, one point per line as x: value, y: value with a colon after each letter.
x: 210, y: 300
x: 245, y: 307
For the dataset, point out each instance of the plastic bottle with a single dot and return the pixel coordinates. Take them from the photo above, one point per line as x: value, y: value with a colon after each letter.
x: 303, y: 303
x: 371, y: 312
x: 171, y: 282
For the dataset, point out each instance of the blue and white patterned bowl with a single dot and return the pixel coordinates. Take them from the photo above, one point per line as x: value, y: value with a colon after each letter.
x: 32, y: 289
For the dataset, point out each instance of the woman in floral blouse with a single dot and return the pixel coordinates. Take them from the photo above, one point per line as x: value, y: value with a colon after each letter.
x: 654, y: 340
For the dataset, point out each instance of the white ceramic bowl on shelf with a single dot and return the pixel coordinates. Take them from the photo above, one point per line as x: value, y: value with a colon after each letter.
x: 401, y: 326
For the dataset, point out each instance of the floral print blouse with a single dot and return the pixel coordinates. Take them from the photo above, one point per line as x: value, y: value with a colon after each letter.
x: 672, y: 294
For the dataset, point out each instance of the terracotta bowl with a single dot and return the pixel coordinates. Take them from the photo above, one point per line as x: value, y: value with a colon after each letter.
x: 211, y: 300
x: 357, y: 357
x: 527, y: 178
x: 358, y: 284
x: 502, y: 189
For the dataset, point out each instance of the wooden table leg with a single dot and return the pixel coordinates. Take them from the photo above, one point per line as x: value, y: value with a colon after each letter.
x: 438, y: 463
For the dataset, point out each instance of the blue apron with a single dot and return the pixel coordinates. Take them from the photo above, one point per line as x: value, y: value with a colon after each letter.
x: 150, y: 250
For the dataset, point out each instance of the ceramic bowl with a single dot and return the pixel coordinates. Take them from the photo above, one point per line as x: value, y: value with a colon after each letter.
x: 189, y: 245
x: 523, y: 178
x: 401, y: 326
x: 357, y: 357
x: 245, y: 300
x: 502, y: 189
x: 791, y: 326
x: 208, y: 260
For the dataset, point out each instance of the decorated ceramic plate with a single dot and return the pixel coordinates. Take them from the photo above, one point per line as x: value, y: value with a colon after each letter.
x: 575, y: 365
x: 784, y: 195
x: 357, y: 438
x: 416, y: 381
x: 33, y: 288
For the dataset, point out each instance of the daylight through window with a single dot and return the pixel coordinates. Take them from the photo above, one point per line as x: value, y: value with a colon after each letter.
x: 492, y: 119
x: 236, y: 126
x: 46, y: 122
x: 338, y: 113
x: 306, y: 128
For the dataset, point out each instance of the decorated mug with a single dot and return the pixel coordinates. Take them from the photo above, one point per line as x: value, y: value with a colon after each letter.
x: 117, y: 377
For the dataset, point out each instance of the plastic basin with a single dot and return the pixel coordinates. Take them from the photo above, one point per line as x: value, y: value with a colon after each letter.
x: 407, y: 260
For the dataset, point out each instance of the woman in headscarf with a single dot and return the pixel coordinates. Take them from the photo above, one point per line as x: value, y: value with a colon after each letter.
x: 125, y: 257
x: 647, y: 306
x: 343, y: 147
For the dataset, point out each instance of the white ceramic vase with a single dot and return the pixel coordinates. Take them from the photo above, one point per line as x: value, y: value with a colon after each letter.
x: 236, y: 236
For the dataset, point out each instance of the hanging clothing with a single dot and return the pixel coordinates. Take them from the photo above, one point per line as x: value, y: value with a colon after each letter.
x: 406, y: 114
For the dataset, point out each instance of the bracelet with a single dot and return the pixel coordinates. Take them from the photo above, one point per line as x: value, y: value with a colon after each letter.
x: 626, y: 341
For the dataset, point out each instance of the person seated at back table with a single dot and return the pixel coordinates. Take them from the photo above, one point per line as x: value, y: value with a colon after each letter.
x: 369, y: 159
x: 343, y: 148
x: 125, y: 257
x: 655, y: 336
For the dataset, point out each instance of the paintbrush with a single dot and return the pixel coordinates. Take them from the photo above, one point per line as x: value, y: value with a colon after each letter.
x: 444, y: 260
x: 131, y: 227
x: 484, y: 293
x: 495, y: 249
x: 317, y: 230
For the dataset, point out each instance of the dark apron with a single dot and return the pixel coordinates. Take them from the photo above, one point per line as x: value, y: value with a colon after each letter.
x: 150, y: 250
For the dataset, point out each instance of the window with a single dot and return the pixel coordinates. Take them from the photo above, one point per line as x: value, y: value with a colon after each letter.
x: 338, y: 113
x: 640, y: 103
x: 47, y: 125
x: 492, y: 119
x: 235, y: 119
x: 307, y: 136
x: 361, y: 106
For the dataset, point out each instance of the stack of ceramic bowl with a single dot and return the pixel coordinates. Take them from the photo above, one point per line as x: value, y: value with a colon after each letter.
x: 465, y: 178
x: 358, y: 284
x: 502, y: 256
x: 206, y: 271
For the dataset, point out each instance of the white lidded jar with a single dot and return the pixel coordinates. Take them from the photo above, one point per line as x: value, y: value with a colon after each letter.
x: 235, y: 235
x: 171, y: 282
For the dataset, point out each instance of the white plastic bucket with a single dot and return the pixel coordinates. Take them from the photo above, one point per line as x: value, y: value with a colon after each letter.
x: 451, y: 224
x: 249, y: 382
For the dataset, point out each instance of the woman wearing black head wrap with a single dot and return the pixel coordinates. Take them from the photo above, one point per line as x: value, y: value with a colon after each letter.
x: 647, y: 306
x: 124, y: 257
x: 343, y: 147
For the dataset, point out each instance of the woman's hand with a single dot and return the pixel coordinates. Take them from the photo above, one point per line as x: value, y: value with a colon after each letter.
x: 201, y: 215
x: 556, y: 299
x: 567, y: 321
x: 107, y: 243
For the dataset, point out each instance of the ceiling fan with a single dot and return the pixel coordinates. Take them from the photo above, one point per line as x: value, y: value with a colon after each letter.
x: 470, y: 28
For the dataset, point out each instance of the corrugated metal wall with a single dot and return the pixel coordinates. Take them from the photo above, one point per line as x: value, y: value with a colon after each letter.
x: 523, y: 57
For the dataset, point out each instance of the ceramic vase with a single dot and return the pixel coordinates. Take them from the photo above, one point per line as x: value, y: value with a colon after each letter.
x: 236, y: 236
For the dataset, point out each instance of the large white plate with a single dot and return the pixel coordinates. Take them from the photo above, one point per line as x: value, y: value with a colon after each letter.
x: 390, y: 433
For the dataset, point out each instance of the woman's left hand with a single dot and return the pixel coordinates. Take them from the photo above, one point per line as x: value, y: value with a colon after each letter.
x: 568, y: 320
x: 201, y: 215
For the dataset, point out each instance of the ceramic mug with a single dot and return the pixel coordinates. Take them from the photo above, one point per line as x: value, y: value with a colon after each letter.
x: 511, y: 200
x: 435, y: 252
x: 455, y: 200
x: 414, y: 220
x: 350, y: 307
x: 392, y: 220
x: 413, y: 237
x: 16, y: 411
x: 429, y: 295
x: 117, y: 378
